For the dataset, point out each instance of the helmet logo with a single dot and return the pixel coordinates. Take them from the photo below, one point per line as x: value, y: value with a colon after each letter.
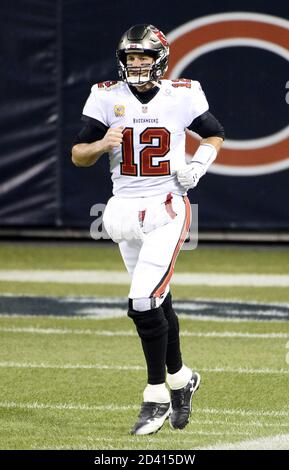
x: 161, y: 37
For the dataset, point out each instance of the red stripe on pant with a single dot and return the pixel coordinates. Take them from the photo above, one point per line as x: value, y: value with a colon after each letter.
x: 161, y: 287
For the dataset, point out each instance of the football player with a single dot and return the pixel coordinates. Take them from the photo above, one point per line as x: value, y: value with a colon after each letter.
x: 140, y: 121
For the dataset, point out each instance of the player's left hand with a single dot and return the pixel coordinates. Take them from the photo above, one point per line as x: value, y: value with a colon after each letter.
x: 190, y: 175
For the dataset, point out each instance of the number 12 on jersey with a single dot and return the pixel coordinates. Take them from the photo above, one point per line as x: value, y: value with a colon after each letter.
x: 128, y: 166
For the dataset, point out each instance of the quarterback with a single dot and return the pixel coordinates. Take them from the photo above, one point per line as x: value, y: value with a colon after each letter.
x: 140, y: 122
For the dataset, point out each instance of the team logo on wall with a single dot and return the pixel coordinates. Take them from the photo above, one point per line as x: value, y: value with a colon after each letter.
x: 119, y: 110
x: 197, y: 37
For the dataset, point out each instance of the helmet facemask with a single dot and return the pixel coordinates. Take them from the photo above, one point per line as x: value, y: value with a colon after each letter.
x: 139, y: 75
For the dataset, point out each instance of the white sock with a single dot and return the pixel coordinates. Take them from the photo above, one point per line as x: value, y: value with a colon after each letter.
x: 180, y: 378
x: 157, y: 393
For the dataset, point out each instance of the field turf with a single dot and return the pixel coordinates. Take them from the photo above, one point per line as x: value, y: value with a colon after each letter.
x: 75, y: 382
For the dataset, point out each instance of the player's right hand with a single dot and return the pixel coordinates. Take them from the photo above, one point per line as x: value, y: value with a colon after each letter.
x: 113, y: 138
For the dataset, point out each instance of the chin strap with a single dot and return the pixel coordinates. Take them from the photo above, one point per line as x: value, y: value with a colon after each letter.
x: 156, y: 83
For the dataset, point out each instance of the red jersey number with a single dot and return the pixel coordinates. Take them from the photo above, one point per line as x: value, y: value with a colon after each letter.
x: 147, y: 168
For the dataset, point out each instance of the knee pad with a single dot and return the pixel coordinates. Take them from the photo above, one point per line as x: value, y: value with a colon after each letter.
x: 150, y: 324
x: 144, y: 304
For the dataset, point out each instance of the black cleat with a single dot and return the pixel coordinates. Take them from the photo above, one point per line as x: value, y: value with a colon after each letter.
x: 182, y: 402
x: 151, y: 418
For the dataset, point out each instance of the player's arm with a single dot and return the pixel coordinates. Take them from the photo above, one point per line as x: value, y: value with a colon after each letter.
x: 210, y: 129
x: 217, y: 142
x: 213, y: 135
x: 93, y: 141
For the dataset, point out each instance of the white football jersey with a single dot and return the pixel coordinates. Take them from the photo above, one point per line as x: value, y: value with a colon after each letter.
x: 153, y: 146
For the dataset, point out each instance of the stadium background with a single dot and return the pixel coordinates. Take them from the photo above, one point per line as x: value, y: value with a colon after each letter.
x: 52, y: 52
x: 71, y: 367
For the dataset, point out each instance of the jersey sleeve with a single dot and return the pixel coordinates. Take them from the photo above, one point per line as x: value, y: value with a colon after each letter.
x: 207, y: 125
x: 198, y: 103
x: 94, y: 106
x: 91, y: 132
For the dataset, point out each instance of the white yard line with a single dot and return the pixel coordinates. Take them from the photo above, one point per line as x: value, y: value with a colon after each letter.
x: 65, y: 331
x: 42, y: 365
x: 119, y: 277
x: 114, y: 408
x: 115, y: 314
x: 235, y: 334
x: 244, y: 413
x: 67, y: 406
x: 203, y: 318
x: 240, y: 370
x: 254, y: 424
x: 91, y: 442
x: 117, y: 300
x: 128, y: 333
x: 219, y: 433
x: 278, y: 442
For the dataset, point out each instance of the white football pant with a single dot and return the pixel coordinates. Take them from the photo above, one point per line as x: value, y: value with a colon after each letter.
x: 150, y: 232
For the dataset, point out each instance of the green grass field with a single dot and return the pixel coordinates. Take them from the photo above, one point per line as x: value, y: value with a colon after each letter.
x: 76, y: 382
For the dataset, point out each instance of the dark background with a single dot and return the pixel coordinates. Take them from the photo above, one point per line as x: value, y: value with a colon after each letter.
x: 52, y: 52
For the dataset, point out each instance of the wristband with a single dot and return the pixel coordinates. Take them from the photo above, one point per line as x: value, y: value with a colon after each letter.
x: 205, y: 155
